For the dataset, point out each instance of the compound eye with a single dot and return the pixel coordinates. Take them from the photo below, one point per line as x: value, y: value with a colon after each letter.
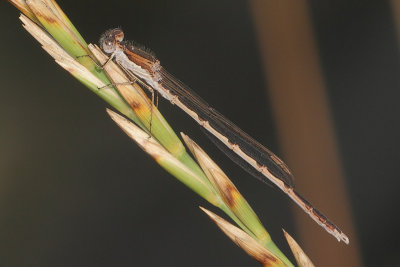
x: 108, y: 46
x: 118, y: 35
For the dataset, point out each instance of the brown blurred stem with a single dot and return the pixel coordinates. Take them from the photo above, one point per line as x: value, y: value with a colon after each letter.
x: 395, y: 4
x: 304, y: 124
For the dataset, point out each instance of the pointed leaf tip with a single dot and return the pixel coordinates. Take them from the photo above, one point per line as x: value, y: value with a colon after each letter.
x: 301, y: 258
x: 244, y: 241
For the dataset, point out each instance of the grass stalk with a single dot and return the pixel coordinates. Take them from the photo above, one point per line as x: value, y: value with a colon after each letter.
x: 48, y: 24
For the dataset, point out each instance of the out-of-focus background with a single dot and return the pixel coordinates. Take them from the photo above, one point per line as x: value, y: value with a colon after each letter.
x: 315, y: 81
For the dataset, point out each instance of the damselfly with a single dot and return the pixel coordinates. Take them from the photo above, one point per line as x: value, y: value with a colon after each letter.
x: 142, y: 66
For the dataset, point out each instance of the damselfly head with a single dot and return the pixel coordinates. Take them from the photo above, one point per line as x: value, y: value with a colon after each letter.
x: 110, y: 40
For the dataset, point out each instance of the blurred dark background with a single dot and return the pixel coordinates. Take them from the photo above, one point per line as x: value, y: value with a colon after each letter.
x: 75, y: 191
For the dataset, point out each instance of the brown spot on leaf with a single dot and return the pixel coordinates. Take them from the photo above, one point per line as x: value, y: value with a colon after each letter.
x: 135, y: 105
x: 268, y: 260
x: 229, y: 193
